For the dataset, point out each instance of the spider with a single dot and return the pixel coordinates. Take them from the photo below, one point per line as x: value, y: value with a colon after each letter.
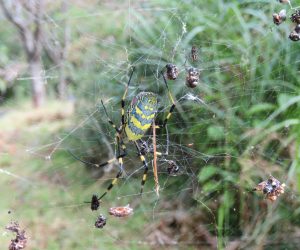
x: 194, y: 53
x: 134, y: 124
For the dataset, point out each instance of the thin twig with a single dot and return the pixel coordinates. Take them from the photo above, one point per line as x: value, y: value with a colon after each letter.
x: 154, y: 160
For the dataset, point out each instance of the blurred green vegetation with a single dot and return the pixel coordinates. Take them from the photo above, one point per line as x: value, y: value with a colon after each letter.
x: 248, y: 129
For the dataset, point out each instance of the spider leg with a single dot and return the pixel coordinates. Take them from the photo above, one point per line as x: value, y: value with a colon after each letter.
x: 123, y: 146
x: 119, y: 155
x: 172, y: 100
x: 123, y: 99
x: 121, y: 169
x: 95, y: 164
x: 111, y: 185
x: 145, y: 165
x: 145, y: 149
x: 109, y: 120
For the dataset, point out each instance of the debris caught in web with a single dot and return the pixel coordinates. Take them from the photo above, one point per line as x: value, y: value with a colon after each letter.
x: 272, y: 188
x: 21, y: 240
x: 173, y: 168
x: 284, y: 1
x: 100, y: 222
x: 95, y: 203
x: 172, y: 71
x: 279, y: 18
x: 295, y: 17
x: 294, y: 36
x: 192, y: 78
x: 121, y: 211
x: 192, y: 97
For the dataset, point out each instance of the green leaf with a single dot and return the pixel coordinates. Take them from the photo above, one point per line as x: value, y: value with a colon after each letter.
x: 215, y: 132
x: 283, y: 99
x: 207, y: 172
x: 261, y: 107
x: 210, y: 186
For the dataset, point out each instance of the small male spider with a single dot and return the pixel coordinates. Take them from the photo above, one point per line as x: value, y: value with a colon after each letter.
x: 139, y: 117
x: 194, y: 53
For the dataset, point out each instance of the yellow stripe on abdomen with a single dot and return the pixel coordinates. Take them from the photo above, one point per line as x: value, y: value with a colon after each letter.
x: 138, y: 124
x: 131, y: 135
x: 141, y: 114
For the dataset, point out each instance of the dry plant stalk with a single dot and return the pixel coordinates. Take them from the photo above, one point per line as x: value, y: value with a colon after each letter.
x: 155, y: 160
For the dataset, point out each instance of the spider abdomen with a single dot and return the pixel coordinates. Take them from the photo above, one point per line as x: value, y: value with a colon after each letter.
x: 140, y: 115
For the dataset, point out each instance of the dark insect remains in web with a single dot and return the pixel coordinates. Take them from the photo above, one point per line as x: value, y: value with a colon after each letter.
x: 272, y: 188
x: 100, y: 222
x: 192, y: 78
x: 295, y: 17
x: 172, y: 168
x: 172, y: 71
x: 95, y: 202
x: 280, y: 17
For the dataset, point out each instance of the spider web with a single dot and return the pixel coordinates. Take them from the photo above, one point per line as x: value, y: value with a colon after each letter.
x: 216, y: 169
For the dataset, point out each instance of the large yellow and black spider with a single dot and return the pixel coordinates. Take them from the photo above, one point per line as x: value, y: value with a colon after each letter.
x: 140, y: 115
